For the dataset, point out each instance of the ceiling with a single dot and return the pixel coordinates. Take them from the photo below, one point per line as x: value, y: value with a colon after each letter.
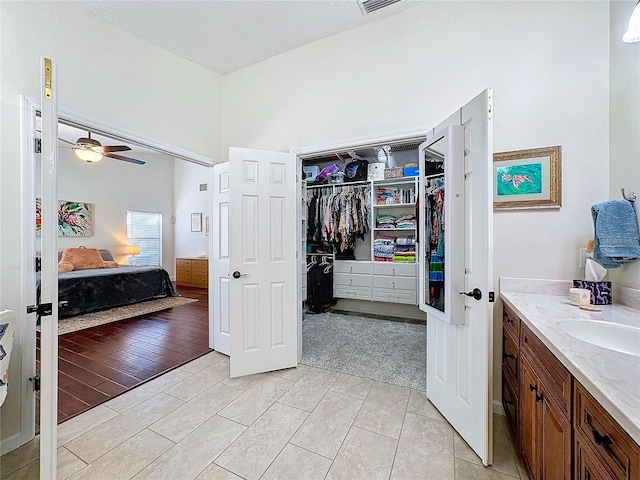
x: 226, y: 35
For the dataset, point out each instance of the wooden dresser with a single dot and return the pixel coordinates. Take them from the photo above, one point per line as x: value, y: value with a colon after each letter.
x: 192, y: 272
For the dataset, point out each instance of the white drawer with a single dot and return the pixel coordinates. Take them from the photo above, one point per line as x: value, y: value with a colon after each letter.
x: 394, y: 283
x: 359, y: 293
x: 352, y: 266
x: 395, y: 296
x: 347, y: 280
x: 394, y: 269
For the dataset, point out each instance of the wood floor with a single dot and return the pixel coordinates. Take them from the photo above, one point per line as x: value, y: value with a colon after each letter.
x: 99, y: 363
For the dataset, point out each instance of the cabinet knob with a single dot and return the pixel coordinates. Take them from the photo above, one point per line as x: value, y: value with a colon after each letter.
x: 509, y: 320
x: 533, y: 388
x: 509, y: 355
x: 539, y: 398
x: 602, y: 440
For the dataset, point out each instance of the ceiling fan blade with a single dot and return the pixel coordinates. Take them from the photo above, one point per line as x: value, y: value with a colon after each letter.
x: 111, y: 148
x: 126, y: 159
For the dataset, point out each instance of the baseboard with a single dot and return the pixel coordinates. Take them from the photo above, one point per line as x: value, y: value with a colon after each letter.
x: 498, y: 408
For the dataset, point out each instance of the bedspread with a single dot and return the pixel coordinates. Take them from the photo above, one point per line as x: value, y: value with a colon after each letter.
x: 102, y: 288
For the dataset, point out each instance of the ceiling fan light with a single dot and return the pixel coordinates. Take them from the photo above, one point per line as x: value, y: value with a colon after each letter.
x: 89, y: 156
x: 633, y: 31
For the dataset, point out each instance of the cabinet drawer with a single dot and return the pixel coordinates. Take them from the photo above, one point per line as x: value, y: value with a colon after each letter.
x: 510, y: 403
x: 556, y: 377
x: 183, y: 277
x: 346, y: 280
x: 352, y: 266
x: 199, y: 280
x: 359, y: 293
x: 611, y: 444
x: 511, y: 323
x: 586, y: 463
x: 510, y: 356
x: 395, y: 296
x: 394, y: 283
x: 183, y: 269
x: 200, y: 266
x: 394, y: 269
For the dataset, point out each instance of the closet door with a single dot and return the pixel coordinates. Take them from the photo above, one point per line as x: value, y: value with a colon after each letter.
x: 263, y: 239
x: 459, y: 336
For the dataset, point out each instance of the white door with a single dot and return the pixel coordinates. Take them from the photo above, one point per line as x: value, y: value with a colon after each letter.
x: 263, y: 287
x: 459, y: 353
x: 219, y: 261
x: 49, y: 273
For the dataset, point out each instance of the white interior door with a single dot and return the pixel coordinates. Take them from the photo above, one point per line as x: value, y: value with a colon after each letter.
x: 459, y: 356
x: 49, y: 273
x: 219, y: 284
x: 263, y: 287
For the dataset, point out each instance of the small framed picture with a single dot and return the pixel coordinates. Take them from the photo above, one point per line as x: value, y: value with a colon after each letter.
x: 196, y: 222
x: 527, y: 179
x: 206, y: 224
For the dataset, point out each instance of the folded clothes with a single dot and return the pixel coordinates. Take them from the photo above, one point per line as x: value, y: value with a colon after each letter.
x: 383, y: 259
x: 410, y: 240
x: 405, y: 259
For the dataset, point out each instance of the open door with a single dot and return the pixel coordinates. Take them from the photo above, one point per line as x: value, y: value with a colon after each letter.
x: 49, y: 274
x: 263, y: 240
x: 219, y: 286
x: 459, y: 321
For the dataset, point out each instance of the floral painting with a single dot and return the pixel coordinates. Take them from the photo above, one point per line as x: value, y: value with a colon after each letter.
x: 75, y: 219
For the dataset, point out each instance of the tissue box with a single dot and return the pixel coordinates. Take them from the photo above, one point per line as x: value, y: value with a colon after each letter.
x: 600, y: 291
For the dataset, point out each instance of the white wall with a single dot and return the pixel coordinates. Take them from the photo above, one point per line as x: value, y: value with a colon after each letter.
x: 104, y: 74
x: 189, y: 199
x: 624, y: 126
x: 547, y: 62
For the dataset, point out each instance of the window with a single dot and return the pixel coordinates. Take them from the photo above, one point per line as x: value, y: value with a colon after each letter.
x: 145, y: 230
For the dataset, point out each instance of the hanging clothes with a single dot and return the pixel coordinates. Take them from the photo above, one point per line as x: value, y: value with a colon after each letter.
x: 337, y: 217
x: 319, y: 283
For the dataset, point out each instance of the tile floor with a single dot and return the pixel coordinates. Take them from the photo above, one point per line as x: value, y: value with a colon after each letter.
x: 303, y: 423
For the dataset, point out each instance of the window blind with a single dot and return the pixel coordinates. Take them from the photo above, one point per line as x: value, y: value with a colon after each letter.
x: 145, y: 230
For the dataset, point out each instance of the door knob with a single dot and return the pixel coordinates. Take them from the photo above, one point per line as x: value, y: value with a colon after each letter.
x: 237, y: 274
x: 476, y: 293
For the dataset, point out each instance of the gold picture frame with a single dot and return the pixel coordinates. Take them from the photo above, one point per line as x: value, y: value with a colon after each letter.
x: 528, y: 179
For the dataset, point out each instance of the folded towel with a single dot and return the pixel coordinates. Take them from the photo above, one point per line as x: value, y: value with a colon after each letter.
x: 616, y: 235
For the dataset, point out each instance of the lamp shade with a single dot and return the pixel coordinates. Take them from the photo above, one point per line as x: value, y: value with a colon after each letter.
x: 633, y: 32
x: 88, y: 156
x: 133, y: 250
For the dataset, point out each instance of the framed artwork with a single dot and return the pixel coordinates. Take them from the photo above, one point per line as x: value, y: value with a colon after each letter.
x: 196, y: 222
x: 206, y: 224
x: 527, y: 179
x: 75, y: 219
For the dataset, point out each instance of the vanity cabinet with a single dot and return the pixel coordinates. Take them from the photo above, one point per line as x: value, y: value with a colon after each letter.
x: 545, y: 423
x: 561, y: 431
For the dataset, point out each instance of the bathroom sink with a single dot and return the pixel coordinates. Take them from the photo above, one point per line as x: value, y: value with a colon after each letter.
x: 613, y: 336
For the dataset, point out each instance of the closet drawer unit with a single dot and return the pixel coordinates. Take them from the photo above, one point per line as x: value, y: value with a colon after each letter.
x: 395, y: 296
x: 346, y: 280
x: 352, y: 266
x: 394, y: 269
x: 394, y: 283
x: 358, y: 293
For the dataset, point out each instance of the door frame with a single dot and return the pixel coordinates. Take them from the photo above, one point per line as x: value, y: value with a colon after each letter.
x: 26, y: 331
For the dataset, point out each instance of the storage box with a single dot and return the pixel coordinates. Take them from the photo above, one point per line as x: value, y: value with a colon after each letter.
x: 310, y: 173
x: 375, y: 171
x: 600, y: 291
x: 410, y: 171
x: 336, y: 177
x: 393, y: 172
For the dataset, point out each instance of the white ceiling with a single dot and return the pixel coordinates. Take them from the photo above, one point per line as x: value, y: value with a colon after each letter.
x: 226, y: 35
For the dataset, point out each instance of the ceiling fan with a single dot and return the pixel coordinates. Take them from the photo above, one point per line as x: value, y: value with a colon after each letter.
x: 91, y: 150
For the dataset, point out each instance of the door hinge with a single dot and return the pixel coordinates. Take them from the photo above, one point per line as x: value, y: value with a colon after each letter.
x: 38, y: 145
x: 492, y: 297
x: 43, y: 309
x: 36, y: 382
x: 38, y: 264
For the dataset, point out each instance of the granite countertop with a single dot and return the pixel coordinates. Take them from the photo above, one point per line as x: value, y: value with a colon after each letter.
x: 611, y: 377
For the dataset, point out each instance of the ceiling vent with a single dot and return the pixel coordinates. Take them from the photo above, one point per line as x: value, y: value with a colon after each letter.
x: 204, y: 187
x: 370, y: 6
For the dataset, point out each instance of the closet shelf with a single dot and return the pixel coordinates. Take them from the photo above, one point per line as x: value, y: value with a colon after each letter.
x: 395, y: 205
x: 393, y: 229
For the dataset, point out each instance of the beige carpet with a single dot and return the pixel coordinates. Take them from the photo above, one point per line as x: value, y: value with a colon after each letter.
x: 80, y: 322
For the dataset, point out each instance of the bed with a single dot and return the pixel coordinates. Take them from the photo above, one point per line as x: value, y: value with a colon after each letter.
x: 90, y: 290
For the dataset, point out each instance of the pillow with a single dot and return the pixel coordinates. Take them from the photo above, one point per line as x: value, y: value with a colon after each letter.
x: 82, y: 258
x: 106, y: 255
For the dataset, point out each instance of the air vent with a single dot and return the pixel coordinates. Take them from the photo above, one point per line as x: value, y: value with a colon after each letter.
x: 370, y: 6
x: 204, y: 187
x: 403, y: 147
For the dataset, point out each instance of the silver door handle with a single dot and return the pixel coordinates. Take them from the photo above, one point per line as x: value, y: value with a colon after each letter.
x: 237, y: 274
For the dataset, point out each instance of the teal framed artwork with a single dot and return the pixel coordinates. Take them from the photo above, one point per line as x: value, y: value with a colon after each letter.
x: 527, y: 178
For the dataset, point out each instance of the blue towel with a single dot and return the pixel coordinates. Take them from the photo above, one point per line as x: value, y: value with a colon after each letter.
x: 616, y: 235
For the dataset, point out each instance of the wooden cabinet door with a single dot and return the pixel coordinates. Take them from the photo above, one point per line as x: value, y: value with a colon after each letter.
x: 529, y: 424
x: 555, y: 438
